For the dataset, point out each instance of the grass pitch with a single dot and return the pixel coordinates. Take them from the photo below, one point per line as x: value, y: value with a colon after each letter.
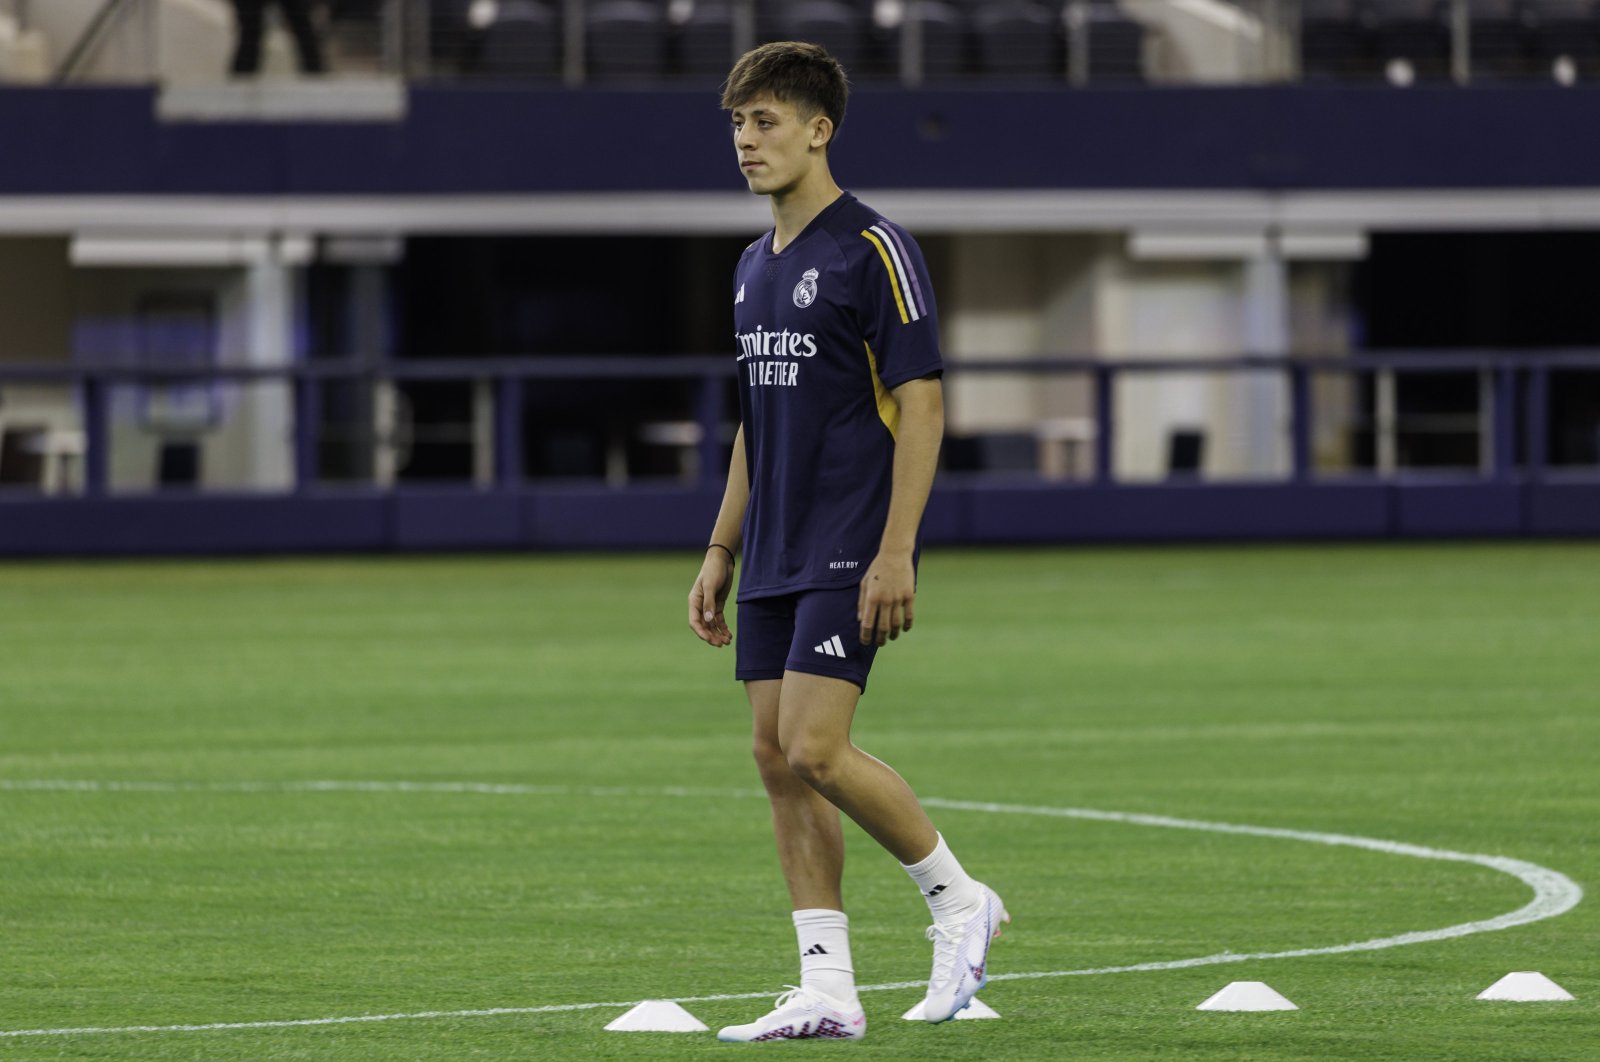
x: 1440, y: 696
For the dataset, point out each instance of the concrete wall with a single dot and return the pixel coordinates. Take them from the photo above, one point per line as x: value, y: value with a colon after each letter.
x: 1179, y: 310
x: 1207, y: 41
x: 1321, y: 316
x: 243, y: 430
x: 1017, y: 295
x: 24, y: 54
x: 173, y: 41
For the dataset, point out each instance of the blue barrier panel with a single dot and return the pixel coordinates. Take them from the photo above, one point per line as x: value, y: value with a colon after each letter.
x: 1178, y: 512
x: 652, y: 518
x: 456, y: 518
x: 209, y: 523
x: 510, y: 139
x: 1509, y: 493
x: 604, y: 518
x: 1424, y: 509
x: 1563, y: 509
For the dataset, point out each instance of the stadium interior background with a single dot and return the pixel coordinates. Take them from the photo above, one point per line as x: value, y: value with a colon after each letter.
x: 1205, y: 269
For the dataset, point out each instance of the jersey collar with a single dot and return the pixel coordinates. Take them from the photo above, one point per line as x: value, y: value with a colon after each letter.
x: 811, y: 226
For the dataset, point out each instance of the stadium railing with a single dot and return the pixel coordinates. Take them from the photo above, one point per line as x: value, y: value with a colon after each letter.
x: 1505, y: 433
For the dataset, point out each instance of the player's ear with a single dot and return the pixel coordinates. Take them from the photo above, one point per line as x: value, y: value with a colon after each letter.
x: 821, y: 131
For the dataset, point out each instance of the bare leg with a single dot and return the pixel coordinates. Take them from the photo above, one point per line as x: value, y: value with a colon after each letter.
x: 805, y: 825
x: 812, y: 772
x: 813, y: 718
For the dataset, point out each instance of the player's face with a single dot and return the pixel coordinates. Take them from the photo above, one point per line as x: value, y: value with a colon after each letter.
x: 776, y: 147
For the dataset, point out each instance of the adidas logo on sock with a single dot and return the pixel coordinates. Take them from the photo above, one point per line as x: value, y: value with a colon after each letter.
x: 815, y: 949
x: 832, y: 647
x: 936, y: 890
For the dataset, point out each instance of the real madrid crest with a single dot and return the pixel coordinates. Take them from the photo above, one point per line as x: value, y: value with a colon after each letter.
x: 805, y: 292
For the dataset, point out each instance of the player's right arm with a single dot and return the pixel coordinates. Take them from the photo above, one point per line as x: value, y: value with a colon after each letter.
x: 710, y: 591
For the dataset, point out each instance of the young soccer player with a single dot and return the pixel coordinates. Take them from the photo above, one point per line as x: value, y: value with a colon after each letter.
x: 841, y: 416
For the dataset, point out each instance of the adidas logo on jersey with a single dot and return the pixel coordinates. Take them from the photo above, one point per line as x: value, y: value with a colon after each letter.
x: 737, y: 299
x: 832, y: 647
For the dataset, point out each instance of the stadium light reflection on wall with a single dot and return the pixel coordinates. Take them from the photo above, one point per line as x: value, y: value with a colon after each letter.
x: 1319, y: 245
x: 189, y: 251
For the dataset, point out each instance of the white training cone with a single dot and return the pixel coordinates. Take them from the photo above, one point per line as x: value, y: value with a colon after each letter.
x: 976, y: 1009
x: 657, y: 1015
x: 1527, y: 986
x: 1247, y: 995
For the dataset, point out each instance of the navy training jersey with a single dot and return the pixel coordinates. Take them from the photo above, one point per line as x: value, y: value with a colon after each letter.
x: 826, y: 328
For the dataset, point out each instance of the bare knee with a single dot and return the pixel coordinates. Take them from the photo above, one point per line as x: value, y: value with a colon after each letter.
x: 814, y: 763
x: 771, y: 762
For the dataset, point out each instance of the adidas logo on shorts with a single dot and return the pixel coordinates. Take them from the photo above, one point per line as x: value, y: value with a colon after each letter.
x: 832, y: 647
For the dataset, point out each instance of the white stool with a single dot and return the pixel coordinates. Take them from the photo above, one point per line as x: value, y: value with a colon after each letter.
x: 46, y: 419
x: 1061, y: 441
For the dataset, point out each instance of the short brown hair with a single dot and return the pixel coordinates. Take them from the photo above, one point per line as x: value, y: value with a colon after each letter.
x: 800, y: 74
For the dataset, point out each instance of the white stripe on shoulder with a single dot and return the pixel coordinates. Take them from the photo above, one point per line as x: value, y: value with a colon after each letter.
x: 900, y: 271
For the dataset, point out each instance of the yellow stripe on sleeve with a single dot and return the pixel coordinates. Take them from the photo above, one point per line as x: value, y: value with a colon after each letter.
x: 888, y: 406
x: 894, y: 282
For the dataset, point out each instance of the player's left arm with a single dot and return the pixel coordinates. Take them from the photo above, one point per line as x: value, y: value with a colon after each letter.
x: 887, y: 597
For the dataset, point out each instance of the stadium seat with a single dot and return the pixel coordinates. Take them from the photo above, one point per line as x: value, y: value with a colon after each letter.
x: 626, y: 39
x: 705, y: 39
x: 1564, y: 36
x: 1336, y: 40
x: 452, y: 38
x: 1413, y: 38
x: 523, y: 41
x: 771, y: 15
x: 839, y: 27
x: 1115, y: 44
x: 1498, y: 38
x: 1017, y: 40
x: 944, y: 39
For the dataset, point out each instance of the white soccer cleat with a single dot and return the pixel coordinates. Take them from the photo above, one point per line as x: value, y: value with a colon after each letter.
x: 961, y: 957
x: 801, y: 1014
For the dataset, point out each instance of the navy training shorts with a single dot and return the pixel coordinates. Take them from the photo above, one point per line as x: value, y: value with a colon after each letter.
x: 815, y: 631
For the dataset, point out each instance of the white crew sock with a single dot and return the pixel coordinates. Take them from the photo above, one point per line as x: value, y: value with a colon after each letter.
x: 824, y: 938
x: 947, y: 888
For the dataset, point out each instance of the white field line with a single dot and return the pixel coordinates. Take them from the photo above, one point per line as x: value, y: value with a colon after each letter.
x: 1554, y: 892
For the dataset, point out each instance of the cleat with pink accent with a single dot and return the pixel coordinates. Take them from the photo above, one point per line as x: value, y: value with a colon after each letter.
x: 802, y: 1014
x: 961, y: 957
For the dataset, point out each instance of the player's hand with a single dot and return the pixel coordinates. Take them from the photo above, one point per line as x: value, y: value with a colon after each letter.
x: 708, y: 596
x: 885, y: 602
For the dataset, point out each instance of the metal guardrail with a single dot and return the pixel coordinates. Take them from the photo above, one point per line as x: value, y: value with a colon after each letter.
x: 1514, y: 411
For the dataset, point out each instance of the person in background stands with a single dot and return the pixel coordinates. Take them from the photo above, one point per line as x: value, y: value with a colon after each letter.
x: 252, y: 24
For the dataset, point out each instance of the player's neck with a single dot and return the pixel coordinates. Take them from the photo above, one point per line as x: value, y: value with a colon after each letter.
x: 792, y: 210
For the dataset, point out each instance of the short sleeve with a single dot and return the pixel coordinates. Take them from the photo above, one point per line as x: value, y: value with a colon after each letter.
x: 898, y: 317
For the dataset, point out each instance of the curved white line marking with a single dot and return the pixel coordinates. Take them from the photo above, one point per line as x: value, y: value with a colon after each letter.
x: 1553, y: 892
